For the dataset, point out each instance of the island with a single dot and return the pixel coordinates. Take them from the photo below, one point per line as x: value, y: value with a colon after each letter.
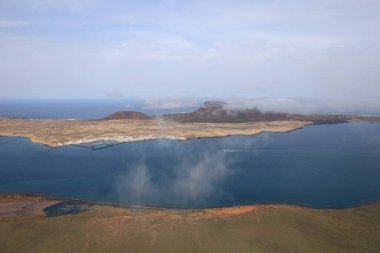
x: 214, y: 119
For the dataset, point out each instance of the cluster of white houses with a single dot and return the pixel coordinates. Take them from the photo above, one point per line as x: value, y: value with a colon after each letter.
x: 120, y: 139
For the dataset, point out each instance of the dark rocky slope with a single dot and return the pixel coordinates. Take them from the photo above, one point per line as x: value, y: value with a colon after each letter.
x: 219, y: 112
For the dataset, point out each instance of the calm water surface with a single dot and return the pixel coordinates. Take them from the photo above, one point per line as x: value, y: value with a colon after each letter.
x: 318, y: 166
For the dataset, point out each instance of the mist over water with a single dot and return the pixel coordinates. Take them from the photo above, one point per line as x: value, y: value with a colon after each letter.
x: 84, y: 108
x: 319, y: 166
x: 100, y: 107
x: 199, y: 181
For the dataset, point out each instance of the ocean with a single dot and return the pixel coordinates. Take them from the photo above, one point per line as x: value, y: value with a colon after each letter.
x: 333, y: 166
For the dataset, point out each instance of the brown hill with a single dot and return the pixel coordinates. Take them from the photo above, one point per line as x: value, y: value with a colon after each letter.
x: 127, y: 115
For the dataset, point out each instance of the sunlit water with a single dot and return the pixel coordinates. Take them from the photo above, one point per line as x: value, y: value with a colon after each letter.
x: 319, y: 166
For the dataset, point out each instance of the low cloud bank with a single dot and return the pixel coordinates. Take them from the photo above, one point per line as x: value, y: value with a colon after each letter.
x: 301, y: 105
x: 172, y: 103
x: 293, y: 105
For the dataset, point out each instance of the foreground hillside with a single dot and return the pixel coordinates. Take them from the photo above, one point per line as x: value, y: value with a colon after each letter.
x: 268, y: 228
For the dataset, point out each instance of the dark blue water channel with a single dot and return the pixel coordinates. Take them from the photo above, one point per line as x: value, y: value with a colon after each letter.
x: 319, y: 166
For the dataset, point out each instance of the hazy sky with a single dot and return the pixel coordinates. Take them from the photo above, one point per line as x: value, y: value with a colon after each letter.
x: 315, y: 48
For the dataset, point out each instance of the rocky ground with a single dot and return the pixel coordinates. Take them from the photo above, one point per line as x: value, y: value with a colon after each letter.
x: 260, y: 228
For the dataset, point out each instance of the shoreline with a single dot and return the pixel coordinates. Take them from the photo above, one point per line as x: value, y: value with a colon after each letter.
x: 120, y: 205
x: 71, y: 133
x: 107, y: 140
x: 69, y: 227
x: 61, y: 133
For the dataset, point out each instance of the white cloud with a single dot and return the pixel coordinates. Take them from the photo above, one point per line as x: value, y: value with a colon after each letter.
x: 196, y: 48
x: 172, y: 103
x: 305, y: 105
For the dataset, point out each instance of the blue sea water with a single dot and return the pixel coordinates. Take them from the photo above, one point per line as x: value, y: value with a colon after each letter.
x: 65, y: 108
x: 318, y: 166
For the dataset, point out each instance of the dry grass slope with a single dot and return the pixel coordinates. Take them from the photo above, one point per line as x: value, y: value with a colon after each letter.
x: 272, y: 228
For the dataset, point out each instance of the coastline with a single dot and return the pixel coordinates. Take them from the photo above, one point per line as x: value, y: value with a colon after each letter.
x: 99, y: 227
x: 49, y: 201
x: 252, y: 207
x: 59, y: 133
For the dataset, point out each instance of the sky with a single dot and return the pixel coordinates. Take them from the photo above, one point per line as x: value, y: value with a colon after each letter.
x: 327, y: 49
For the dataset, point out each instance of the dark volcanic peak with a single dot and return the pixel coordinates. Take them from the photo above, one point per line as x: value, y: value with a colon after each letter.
x: 220, y: 112
x: 217, y: 112
x: 127, y: 115
x: 214, y: 104
x: 323, y: 118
